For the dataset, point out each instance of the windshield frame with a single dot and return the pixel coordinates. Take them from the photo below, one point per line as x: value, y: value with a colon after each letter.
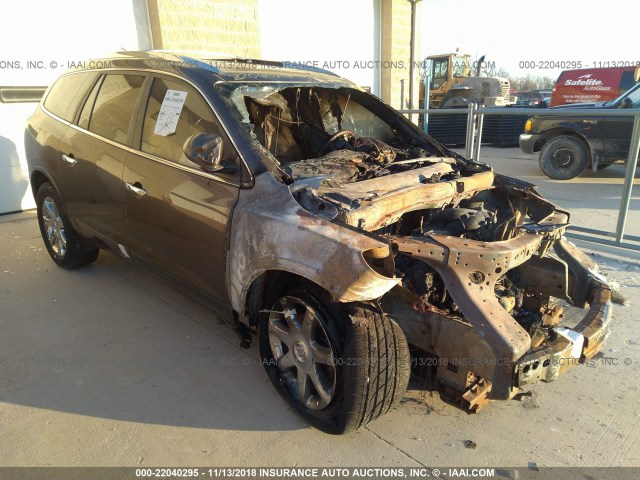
x: 402, y: 127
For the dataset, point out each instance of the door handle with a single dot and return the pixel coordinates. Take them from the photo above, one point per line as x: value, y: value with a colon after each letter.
x: 136, y: 189
x: 68, y: 159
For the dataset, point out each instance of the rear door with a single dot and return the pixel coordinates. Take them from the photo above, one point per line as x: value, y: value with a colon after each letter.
x: 61, y: 104
x: 177, y: 215
x: 94, y: 154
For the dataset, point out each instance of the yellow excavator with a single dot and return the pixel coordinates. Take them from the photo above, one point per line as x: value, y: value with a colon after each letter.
x: 451, y: 84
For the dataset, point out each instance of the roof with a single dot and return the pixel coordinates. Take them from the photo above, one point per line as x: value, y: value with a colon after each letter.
x: 225, y: 67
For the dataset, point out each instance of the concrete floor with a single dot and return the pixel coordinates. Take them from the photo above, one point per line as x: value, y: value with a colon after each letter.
x: 109, y: 366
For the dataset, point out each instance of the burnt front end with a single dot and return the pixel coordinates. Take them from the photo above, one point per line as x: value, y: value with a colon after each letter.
x: 492, y: 313
x: 478, y: 273
x: 488, y: 285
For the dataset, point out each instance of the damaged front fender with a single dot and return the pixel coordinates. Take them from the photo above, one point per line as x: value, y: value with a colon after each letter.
x: 272, y: 232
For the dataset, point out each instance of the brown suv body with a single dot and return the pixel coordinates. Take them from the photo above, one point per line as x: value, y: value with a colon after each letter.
x: 323, y: 220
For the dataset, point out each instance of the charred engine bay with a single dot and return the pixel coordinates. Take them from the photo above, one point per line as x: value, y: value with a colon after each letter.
x: 345, y: 163
x: 493, y: 215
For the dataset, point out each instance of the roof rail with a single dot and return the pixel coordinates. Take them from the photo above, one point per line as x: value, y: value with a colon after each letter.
x: 203, y: 56
x: 301, y: 66
x: 201, y: 63
x: 274, y: 63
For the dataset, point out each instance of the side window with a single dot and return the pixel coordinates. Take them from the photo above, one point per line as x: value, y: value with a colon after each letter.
x: 114, y: 105
x: 66, y: 94
x: 626, y: 82
x: 174, y: 112
x: 439, y: 69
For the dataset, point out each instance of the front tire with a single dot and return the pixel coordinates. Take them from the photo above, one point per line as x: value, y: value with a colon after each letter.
x: 65, y: 246
x: 564, y: 158
x: 339, y: 366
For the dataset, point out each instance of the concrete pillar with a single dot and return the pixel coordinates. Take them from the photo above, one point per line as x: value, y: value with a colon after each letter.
x: 395, y: 26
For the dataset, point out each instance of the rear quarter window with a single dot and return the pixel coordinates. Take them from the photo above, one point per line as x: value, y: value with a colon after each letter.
x: 67, y: 92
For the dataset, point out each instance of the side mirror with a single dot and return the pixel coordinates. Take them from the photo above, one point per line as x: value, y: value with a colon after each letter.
x: 205, y: 150
x: 626, y: 103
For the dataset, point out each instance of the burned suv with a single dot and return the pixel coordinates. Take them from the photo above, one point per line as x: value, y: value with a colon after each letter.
x: 322, y: 221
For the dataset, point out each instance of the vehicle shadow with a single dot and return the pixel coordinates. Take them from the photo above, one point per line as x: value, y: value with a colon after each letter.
x: 111, y: 341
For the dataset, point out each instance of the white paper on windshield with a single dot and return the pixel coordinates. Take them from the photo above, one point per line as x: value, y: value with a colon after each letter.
x: 170, y: 112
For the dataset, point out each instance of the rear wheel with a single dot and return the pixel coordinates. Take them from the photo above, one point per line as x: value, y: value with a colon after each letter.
x: 64, y: 245
x: 564, y: 158
x: 339, y: 366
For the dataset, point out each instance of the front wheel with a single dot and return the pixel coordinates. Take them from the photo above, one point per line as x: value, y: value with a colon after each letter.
x: 64, y: 245
x: 564, y: 158
x: 338, y: 366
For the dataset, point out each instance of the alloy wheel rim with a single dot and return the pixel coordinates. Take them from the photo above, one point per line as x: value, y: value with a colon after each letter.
x: 54, y: 227
x: 302, y: 352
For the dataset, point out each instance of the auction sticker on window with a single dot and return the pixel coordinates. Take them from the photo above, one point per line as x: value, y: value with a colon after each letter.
x: 170, y: 112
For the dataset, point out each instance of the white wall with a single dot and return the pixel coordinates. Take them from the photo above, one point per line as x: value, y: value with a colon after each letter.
x: 327, y: 31
x: 53, y: 34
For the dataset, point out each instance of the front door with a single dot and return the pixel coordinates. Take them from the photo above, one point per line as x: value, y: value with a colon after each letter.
x: 177, y: 215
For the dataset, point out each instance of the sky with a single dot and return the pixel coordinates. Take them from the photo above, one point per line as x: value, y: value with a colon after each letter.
x: 540, y: 32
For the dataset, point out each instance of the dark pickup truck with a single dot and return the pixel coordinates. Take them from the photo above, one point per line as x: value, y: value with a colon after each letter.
x: 569, y: 145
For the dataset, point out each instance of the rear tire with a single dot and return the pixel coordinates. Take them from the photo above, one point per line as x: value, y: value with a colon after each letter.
x: 368, y: 356
x: 564, y: 157
x: 65, y: 246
